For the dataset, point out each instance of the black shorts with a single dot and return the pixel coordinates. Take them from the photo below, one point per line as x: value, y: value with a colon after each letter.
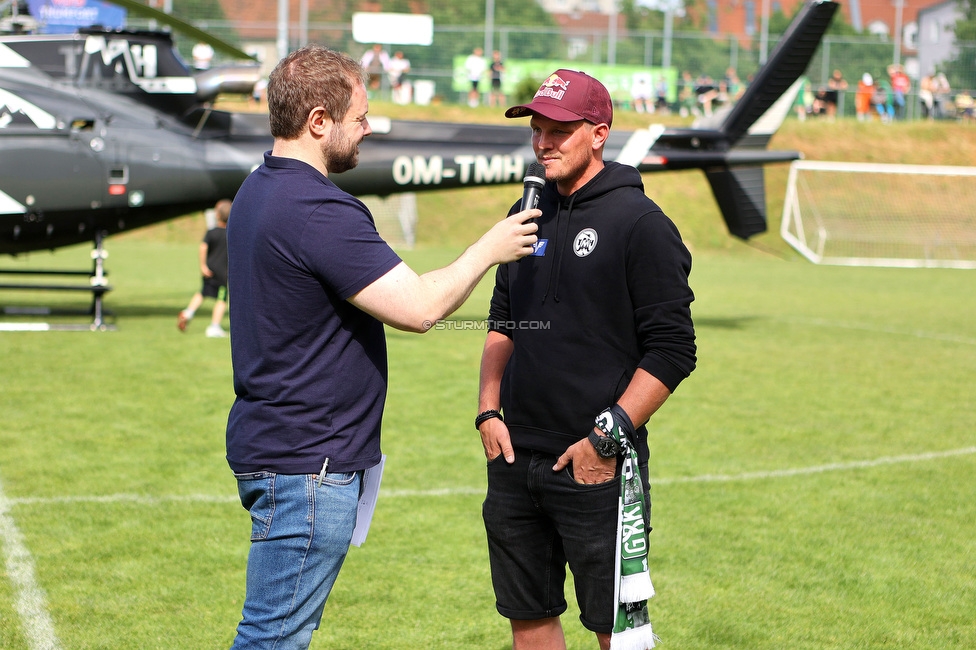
x: 214, y: 288
x: 538, y: 521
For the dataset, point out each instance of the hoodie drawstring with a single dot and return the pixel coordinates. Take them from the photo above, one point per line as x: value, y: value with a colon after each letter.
x: 561, y: 242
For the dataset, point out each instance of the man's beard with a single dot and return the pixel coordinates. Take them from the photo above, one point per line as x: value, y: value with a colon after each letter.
x: 340, y: 154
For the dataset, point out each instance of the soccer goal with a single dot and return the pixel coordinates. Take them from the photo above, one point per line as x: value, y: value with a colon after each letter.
x: 863, y: 214
x: 395, y: 217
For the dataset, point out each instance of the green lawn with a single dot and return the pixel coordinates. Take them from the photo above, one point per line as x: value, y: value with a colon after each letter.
x: 813, y: 481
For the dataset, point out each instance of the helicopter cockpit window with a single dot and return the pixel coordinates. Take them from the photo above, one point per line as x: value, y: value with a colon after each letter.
x: 82, y: 124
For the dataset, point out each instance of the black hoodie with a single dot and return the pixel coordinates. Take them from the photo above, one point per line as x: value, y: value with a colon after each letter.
x: 606, y: 293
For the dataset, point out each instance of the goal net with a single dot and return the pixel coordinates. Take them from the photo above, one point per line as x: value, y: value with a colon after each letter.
x: 395, y: 217
x: 863, y: 214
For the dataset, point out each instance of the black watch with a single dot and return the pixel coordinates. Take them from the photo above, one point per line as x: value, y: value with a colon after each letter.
x: 606, y: 447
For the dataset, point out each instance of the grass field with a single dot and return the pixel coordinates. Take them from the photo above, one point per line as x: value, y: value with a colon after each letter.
x: 813, y: 480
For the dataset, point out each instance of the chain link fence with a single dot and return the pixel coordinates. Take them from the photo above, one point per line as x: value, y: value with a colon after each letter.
x: 705, y: 56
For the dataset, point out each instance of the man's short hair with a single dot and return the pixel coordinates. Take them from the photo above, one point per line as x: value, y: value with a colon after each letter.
x: 308, y: 77
x: 222, y: 210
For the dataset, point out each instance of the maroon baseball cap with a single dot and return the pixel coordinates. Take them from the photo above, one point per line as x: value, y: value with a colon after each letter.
x: 567, y: 96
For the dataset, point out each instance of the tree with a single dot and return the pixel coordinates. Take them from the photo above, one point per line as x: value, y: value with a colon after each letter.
x: 201, y: 11
x: 961, y: 70
x: 966, y: 27
x: 447, y: 45
x: 640, y: 17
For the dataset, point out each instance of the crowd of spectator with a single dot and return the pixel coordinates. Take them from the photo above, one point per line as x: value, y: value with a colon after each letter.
x: 378, y: 63
x: 887, y: 96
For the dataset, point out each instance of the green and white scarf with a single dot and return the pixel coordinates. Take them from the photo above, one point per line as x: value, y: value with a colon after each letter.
x: 632, y: 583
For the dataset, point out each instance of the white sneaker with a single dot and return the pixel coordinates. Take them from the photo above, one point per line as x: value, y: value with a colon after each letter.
x: 215, y: 332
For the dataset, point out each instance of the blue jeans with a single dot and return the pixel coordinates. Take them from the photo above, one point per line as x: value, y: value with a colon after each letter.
x: 300, y: 534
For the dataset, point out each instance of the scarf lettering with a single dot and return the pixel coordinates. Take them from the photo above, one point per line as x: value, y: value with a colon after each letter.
x: 634, y: 540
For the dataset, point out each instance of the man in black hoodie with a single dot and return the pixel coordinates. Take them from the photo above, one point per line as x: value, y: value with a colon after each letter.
x: 597, y: 317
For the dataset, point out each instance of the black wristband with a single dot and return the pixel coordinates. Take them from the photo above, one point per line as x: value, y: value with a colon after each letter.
x: 484, y: 416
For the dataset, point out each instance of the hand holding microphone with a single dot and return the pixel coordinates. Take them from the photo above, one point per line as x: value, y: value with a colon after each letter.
x: 521, y: 226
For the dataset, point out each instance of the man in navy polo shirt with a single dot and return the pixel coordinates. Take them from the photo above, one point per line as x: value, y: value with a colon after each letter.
x: 312, y: 284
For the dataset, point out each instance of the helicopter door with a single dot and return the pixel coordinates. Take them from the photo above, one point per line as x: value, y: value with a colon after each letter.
x: 39, y: 149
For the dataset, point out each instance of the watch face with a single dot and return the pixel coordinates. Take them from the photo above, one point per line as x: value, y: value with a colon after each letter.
x: 605, y: 446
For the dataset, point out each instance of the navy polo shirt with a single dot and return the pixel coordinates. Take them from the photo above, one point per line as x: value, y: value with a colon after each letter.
x: 310, y: 369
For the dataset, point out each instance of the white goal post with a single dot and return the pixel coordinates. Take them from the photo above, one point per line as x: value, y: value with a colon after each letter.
x: 865, y: 214
x: 395, y: 217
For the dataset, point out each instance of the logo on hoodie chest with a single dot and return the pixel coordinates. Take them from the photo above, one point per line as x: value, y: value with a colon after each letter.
x: 585, y: 242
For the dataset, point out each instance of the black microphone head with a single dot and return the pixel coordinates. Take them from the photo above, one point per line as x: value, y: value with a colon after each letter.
x: 536, y: 173
x: 532, y: 184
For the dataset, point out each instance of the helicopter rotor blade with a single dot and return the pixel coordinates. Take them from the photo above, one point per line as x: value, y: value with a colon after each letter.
x: 183, y: 27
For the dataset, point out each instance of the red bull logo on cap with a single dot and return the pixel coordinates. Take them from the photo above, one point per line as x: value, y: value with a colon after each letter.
x: 554, y: 87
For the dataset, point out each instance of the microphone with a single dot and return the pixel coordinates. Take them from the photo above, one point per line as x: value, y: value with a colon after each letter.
x: 534, y: 181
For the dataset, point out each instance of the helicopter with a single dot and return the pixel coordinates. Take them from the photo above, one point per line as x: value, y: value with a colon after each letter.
x: 105, y: 131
